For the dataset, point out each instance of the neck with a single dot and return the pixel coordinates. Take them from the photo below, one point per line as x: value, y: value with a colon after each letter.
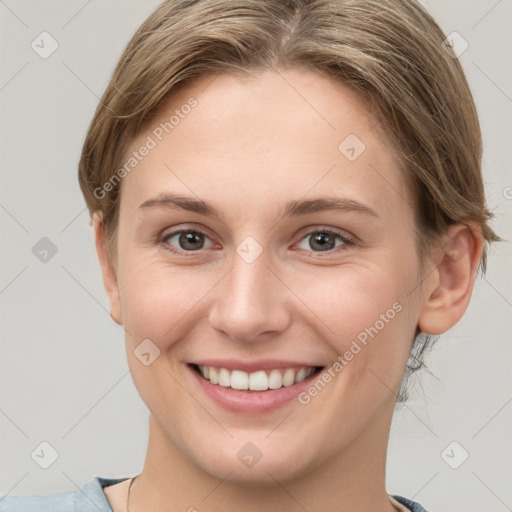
x: 353, y: 480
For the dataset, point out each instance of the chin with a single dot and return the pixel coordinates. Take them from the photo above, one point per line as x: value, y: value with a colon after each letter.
x: 265, y: 472
x: 263, y: 476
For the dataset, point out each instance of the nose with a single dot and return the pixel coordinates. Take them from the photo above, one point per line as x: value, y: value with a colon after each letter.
x: 251, y: 303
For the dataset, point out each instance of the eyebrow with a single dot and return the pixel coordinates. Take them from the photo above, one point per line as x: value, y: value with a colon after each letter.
x: 292, y: 208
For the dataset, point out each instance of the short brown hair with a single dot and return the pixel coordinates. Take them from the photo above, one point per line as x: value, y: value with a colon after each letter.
x: 390, y: 51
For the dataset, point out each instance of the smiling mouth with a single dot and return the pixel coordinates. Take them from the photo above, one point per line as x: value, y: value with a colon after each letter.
x: 262, y: 380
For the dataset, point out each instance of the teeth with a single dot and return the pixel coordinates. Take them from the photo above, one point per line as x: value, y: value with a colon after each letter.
x: 256, y: 381
x: 239, y: 380
x: 274, y: 379
x: 214, y: 374
x: 301, y: 375
x: 288, y: 377
x: 224, y: 378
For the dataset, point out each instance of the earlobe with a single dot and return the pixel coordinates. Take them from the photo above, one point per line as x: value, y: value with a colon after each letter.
x: 450, y: 285
x: 107, y: 269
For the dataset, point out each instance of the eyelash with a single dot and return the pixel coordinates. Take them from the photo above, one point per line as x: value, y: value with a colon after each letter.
x: 347, y: 241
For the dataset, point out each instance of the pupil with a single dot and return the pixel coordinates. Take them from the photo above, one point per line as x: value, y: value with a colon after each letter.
x: 323, y: 240
x: 187, y: 240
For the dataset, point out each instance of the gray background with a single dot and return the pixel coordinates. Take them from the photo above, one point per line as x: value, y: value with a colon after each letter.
x: 64, y: 376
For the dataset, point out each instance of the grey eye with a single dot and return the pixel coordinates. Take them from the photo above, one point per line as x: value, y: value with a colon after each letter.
x: 187, y: 240
x: 321, y: 241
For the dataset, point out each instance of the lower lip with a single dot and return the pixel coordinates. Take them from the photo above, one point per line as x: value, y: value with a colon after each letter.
x: 251, y: 401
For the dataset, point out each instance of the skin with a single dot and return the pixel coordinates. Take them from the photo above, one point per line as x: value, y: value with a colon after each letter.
x: 249, y: 147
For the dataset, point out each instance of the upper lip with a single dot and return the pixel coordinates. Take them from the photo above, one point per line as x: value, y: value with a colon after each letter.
x: 252, y: 366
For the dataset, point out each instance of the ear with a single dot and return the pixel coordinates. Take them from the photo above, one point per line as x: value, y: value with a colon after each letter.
x: 107, y: 269
x: 449, y: 286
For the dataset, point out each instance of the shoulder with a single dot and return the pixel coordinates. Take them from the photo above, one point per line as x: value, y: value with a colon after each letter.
x: 88, y: 498
x: 413, y: 506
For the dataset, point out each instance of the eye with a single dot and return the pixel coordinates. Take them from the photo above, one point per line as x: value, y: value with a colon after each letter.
x: 323, y: 240
x: 185, y: 241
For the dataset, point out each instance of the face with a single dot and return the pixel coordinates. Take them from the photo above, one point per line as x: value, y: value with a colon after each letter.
x: 269, y: 230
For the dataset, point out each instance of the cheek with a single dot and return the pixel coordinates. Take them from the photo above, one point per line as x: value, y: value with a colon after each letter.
x: 159, y: 301
x: 364, y: 315
x: 341, y: 305
x: 350, y: 303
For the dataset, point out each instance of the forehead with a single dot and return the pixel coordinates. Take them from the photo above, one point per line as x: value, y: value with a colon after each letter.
x: 273, y: 136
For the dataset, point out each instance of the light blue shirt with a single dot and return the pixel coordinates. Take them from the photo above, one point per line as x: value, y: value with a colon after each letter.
x: 91, y: 498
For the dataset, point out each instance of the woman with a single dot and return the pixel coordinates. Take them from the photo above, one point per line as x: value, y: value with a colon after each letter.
x: 287, y: 201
